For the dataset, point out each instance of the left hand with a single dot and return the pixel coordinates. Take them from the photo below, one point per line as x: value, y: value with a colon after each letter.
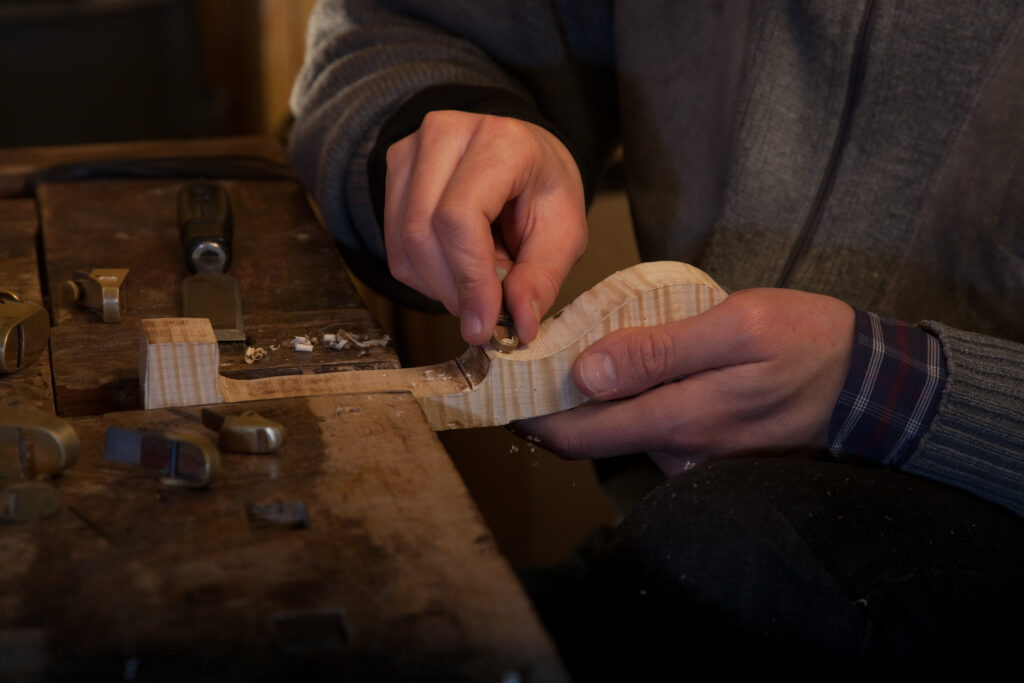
x: 760, y: 371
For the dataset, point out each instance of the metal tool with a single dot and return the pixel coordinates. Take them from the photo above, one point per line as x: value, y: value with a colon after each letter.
x: 248, y: 432
x: 24, y: 332
x: 23, y: 501
x: 185, y: 459
x: 33, y: 442
x: 101, y: 290
x: 504, y: 337
x: 291, y: 514
x: 205, y: 221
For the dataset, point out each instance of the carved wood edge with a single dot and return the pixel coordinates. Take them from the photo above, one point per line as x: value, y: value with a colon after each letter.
x: 483, y: 387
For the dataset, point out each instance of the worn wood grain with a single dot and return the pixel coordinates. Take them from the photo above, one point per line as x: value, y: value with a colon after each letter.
x: 394, y: 578
x: 19, y: 272
x: 484, y: 387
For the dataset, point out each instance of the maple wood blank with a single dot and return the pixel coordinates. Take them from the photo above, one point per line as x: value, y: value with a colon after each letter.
x: 483, y: 387
x: 177, y: 358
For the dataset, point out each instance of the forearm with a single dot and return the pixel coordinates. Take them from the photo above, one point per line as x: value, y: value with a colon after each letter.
x: 366, y: 60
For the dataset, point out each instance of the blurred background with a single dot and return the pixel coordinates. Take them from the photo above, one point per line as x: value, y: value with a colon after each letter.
x: 88, y: 71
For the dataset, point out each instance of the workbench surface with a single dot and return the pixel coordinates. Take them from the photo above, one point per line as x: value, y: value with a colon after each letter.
x: 391, y: 573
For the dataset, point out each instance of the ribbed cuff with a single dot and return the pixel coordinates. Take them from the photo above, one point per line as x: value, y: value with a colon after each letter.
x: 976, y: 441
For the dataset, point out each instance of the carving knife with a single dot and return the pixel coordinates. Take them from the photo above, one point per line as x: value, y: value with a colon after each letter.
x: 204, y: 218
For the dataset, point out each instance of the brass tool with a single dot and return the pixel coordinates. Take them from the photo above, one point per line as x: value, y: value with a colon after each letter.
x: 248, y: 432
x: 185, y: 459
x: 33, y: 445
x: 34, y: 442
x: 101, y: 290
x: 24, y: 332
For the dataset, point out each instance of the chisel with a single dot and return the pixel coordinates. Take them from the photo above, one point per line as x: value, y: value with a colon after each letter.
x: 204, y: 218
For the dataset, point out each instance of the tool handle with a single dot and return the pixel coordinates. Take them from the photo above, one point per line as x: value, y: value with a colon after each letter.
x: 204, y: 218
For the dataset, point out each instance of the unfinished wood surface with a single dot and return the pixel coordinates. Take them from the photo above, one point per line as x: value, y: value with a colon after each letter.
x: 291, y: 277
x: 485, y: 387
x: 19, y: 272
x: 395, y: 576
x: 178, y: 352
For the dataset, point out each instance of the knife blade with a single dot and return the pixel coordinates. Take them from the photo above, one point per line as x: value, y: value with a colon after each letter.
x: 205, y: 221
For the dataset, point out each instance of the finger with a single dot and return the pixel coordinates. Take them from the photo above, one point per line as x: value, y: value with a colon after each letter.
x: 630, y: 361
x: 416, y: 245
x: 669, y: 419
x: 554, y: 242
x: 401, y: 158
x: 477, y: 192
x: 545, y: 229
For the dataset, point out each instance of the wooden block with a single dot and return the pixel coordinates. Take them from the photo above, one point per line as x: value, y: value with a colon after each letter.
x: 535, y: 378
x: 175, y: 356
x: 485, y: 387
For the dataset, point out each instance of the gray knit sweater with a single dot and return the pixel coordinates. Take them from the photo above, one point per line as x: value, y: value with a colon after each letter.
x: 871, y: 150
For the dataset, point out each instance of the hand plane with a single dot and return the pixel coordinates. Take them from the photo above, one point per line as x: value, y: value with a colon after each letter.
x: 101, y: 290
x: 34, y: 445
x: 185, y: 459
x: 24, y: 332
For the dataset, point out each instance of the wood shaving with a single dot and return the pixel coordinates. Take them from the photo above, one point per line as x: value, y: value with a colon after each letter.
x: 253, y: 354
x: 364, y: 343
x: 346, y: 409
x: 304, y: 344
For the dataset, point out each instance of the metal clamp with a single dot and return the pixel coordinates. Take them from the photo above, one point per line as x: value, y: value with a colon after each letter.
x: 24, y: 332
x: 101, y: 290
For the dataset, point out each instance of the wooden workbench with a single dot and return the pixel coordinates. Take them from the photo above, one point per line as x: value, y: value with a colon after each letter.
x: 393, y: 576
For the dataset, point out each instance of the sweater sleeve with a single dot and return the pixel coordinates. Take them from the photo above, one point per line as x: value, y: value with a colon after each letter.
x: 366, y: 59
x: 976, y: 439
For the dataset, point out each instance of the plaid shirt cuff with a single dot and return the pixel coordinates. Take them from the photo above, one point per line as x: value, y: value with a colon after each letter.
x: 891, y: 392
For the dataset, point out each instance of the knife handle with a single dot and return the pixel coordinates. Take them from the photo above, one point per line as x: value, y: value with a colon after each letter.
x: 204, y: 217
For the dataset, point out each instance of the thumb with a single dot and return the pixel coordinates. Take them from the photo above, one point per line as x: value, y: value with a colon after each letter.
x: 630, y: 361
x: 627, y: 362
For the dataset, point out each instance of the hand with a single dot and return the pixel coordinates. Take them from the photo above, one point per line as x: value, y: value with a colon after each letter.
x: 449, y: 182
x: 760, y: 371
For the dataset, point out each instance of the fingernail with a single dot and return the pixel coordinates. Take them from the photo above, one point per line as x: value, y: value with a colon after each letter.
x: 471, y: 324
x: 597, y: 372
x: 535, y: 305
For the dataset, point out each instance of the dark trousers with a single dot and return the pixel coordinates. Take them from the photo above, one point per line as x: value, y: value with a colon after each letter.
x: 797, y: 566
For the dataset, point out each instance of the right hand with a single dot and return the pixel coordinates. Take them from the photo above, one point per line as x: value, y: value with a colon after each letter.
x: 454, y: 178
